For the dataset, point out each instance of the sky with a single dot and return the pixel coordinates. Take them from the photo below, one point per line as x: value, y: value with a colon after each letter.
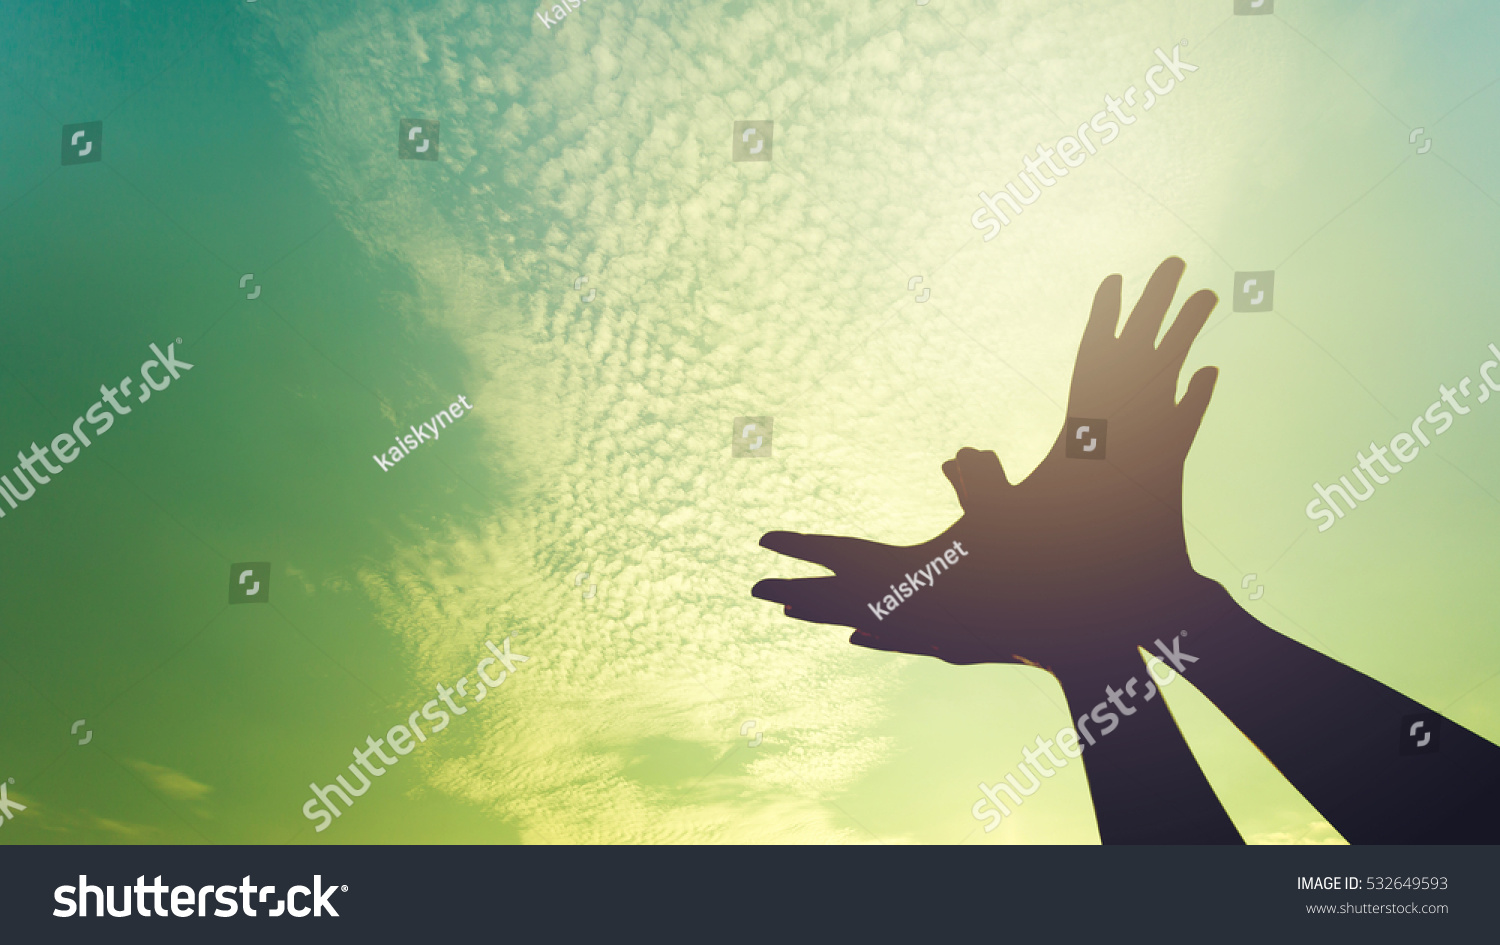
x: 670, y: 706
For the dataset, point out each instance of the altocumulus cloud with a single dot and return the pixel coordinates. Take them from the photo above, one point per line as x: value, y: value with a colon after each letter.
x: 724, y: 290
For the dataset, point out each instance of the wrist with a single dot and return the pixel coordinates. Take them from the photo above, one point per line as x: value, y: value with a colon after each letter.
x: 1116, y: 682
x: 1194, y: 603
x: 1161, y: 626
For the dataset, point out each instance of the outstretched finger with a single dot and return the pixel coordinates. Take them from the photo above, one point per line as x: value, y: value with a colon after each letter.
x: 870, y: 640
x: 815, y: 600
x: 957, y: 655
x: 1146, y: 318
x: 1104, y: 317
x: 1195, y: 401
x: 1190, y: 320
x: 833, y: 552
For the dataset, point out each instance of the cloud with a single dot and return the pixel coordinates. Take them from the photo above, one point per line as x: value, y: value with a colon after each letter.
x: 724, y: 290
x: 55, y: 820
x: 300, y: 576
x: 172, y: 783
x: 137, y: 833
x: 1317, y: 832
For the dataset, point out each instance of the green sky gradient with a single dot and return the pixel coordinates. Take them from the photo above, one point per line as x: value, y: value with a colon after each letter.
x: 262, y: 139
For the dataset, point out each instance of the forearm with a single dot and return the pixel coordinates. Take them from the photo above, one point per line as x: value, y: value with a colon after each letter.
x: 1146, y: 785
x: 1337, y: 735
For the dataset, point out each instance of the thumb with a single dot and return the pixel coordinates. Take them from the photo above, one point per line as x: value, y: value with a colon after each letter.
x: 977, y: 478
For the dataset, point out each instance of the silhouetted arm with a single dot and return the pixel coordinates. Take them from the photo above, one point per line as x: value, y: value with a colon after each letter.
x: 1337, y: 734
x: 1145, y: 783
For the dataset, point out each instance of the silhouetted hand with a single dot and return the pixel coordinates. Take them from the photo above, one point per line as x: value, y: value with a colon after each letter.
x: 1083, y: 560
x: 1086, y: 559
